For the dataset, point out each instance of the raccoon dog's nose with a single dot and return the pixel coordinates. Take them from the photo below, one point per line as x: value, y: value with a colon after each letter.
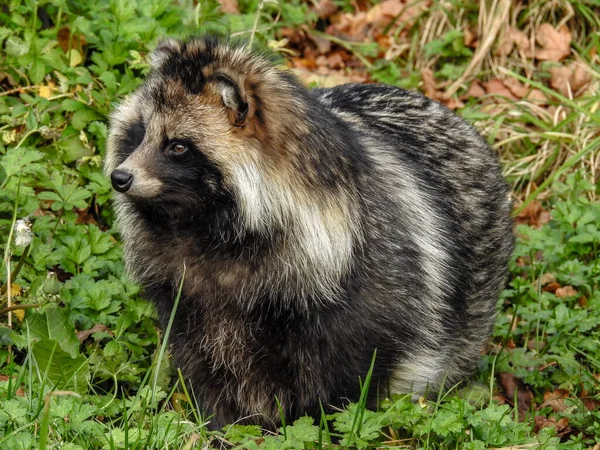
x: 121, y: 180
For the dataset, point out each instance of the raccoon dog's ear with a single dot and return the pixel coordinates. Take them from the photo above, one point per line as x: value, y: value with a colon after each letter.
x: 233, y: 99
x: 165, y: 48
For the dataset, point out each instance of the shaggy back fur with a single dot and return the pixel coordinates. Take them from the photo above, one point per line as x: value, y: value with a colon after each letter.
x: 315, y: 227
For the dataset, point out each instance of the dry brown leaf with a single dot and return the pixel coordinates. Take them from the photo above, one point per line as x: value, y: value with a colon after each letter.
x: 325, y: 77
x: 533, y: 215
x: 561, y: 426
x: 475, y: 90
x: 20, y: 392
x: 325, y: 9
x: 497, y: 87
x: 551, y: 287
x: 570, y: 79
x: 555, y: 400
x: 352, y: 27
x: 520, y: 40
x: 385, y: 11
x: 536, y: 96
x: 511, y: 384
x: 335, y: 61
x: 511, y: 39
x: 505, y: 46
x: 547, y: 278
x: 566, y: 291
x: 429, y: 85
x: 357, y: 26
x: 471, y: 38
x: 433, y: 91
x: 555, y: 44
x: 518, y: 89
x: 67, y: 41
x: 229, y: 6
x: 322, y: 45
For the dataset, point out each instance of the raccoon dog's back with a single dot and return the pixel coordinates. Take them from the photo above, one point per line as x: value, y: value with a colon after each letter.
x: 315, y: 227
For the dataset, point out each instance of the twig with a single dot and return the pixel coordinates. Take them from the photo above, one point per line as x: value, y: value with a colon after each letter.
x: 19, y: 89
x: 17, y: 307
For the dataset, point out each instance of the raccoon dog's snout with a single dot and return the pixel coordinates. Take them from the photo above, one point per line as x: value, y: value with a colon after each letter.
x: 310, y: 228
x: 121, y: 180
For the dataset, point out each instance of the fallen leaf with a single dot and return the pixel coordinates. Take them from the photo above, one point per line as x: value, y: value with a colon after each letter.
x: 85, y: 217
x: 389, y: 13
x: 330, y: 79
x: 555, y: 44
x: 566, y: 291
x: 20, y: 392
x: 561, y: 426
x: 513, y: 38
x: 434, y: 92
x: 385, y: 11
x: 547, y: 278
x: 429, y: 85
x: 325, y: 9
x: 335, y: 61
x: 555, y: 400
x: 512, y: 385
x: 518, y: 89
x: 570, y: 80
x: 322, y: 44
x: 470, y: 38
x: 533, y: 215
x: 68, y: 41
x: 536, y: 95
x: 497, y: 87
x: 551, y: 287
x: 475, y: 90
x: 351, y: 27
x: 229, y: 6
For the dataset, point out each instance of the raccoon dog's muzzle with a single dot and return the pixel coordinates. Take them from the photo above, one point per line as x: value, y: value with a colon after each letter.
x: 133, y: 179
x: 121, y: 180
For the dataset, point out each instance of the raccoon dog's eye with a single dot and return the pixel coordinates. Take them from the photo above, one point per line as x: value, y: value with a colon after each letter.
x: 177, y: 149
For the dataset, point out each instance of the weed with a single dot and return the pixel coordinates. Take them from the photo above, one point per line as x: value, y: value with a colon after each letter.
x: 83, y: 364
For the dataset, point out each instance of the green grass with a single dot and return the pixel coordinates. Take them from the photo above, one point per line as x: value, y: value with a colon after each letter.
x: 83, y: 364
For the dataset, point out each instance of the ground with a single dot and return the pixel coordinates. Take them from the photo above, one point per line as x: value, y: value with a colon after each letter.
x: 83, y: 363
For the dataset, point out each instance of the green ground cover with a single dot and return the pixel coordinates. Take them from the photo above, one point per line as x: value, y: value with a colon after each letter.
x: 82, y: 363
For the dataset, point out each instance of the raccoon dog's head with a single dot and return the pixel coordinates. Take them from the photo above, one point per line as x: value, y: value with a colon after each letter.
x: 217, y: 127
x: 195, y: 132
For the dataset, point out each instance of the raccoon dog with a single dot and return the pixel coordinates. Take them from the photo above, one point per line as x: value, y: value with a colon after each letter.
x: 315, y: 227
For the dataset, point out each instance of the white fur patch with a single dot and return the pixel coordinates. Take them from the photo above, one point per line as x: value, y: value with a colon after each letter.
x: 420, y: 373
x: 319, y: 233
